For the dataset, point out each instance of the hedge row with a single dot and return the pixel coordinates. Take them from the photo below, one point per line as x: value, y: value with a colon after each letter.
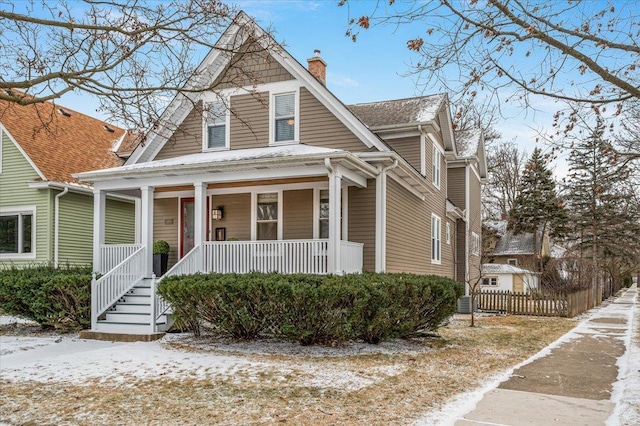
x: 54, y: 298
x: 311, y: 309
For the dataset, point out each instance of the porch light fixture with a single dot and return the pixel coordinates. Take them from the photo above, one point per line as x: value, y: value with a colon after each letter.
x: 216, y: 214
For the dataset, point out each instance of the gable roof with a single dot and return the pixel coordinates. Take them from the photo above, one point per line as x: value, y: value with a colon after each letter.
x: 498, y: 268
x: 213, y: 65
x: 470, y: 145
x: 60, y: 144
x: 409, y: 111
x: 512, y: 244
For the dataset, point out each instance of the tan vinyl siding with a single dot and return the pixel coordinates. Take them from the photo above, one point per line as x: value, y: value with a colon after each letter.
x: 319, y: 127
x: 187, y: 139
x: 409, y: 232
x: 409, y: 149
x: 475, y: 222
x: 250, y: 121
x: 298, y: 214
x: 166, y: 224
x: 252, y: 65
x: 362, y: 221
x: 14, y: 192
x: 120, y: 222
x: 237, y: 215
x: 461, y: 250
x: 456, y: 186
x: 518, y: 283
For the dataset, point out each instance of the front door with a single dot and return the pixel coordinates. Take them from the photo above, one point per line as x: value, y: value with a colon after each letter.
x: 187, y: 224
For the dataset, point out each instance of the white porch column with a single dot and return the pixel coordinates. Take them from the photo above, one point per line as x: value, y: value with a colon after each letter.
x: 99, y: 207
x: 138, y: 220
x: 335, y: 227
x: 146, y: 229
x: 381, y: 220
x: 200, y: 213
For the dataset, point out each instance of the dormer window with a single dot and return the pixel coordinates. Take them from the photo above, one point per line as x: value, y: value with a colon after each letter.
x: 216, y: 137
x: 284, y: 127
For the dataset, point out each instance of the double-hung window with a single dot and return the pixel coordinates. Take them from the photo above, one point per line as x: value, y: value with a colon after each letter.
x: 216, y: 131
x: 284, y: 117
x: 324, y: 213
x: 436, y: 166
x: 267, y: 216
x: 436, y: 239
x: 492, y: 281
x: 475, y: 244
x: 17, y: 236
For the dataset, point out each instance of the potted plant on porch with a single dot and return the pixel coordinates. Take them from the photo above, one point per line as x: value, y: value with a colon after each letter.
x: 160, y: 257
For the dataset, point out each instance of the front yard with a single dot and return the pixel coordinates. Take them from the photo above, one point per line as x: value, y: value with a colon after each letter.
x: 58, y: 379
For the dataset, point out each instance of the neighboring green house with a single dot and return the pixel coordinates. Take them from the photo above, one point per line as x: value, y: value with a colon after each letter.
x: 46, y: 215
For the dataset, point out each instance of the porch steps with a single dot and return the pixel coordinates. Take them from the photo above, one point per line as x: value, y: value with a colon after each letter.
x: 132, y: 313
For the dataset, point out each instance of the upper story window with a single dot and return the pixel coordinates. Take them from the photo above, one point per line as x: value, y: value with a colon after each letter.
x: 284, y: 127
x: 512, y: 262
x: 17, y: 236
x: 475, y: 243
x: 216, y: 127
x: 436, y: 166
x: 436, y: 239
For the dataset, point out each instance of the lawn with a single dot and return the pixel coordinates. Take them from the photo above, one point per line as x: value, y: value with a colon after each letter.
x: 213, y: 381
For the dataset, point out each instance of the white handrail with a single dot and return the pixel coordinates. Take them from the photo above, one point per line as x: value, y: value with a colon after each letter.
x: 114, y: 284
x: 112, y: 254
x: 189, y: 264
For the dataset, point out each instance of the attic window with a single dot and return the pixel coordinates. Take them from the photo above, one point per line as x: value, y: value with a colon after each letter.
x: 108, y: 129
x: 64, y: 112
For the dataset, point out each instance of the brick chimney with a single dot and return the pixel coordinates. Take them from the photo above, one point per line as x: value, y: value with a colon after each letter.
x: 318, y: 67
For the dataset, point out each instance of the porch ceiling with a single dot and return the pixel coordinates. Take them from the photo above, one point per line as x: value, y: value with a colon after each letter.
x: 255, y: 159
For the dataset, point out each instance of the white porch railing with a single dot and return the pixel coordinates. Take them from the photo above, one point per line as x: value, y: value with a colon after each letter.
x: 284, y: 256
x: 351, y: 257
x: 112, y: 254
x: 114, y: 284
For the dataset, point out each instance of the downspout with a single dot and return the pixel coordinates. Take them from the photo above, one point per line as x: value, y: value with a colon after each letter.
x: 381, y: 216
x: 56, y: 227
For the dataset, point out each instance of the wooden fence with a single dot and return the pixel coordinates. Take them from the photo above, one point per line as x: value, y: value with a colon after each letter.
x: 540, y: 304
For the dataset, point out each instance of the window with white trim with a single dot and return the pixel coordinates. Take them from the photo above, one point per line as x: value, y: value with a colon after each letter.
x: 267, y: 216
x: 512, y: 262
x: 436, y: 246
x: 490, y: 281
x: 436, y: 166
x: 475, y: 243
x: 284, y: 124
x: 17, y: 233
x: 216, y: 127
x: 448, y: 233
x: 324, y: 213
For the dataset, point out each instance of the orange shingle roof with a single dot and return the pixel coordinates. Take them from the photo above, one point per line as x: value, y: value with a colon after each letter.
x: 61, y: 144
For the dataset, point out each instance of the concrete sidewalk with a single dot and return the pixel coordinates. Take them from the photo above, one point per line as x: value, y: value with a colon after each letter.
x: 573, y: 384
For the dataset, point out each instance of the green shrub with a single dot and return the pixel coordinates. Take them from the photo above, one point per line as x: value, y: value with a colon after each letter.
x: 312, y: 309
x: 161, y: 247
x: 54, y: 298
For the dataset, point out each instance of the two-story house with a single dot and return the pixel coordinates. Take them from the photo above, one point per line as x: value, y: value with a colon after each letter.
x: 273, y: 173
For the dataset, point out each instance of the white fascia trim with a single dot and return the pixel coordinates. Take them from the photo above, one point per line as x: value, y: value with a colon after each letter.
x: 176, y: 111
x: 423, y: 155
x: 116, y: 146
x: 24, y: 154
x: 79, y: 189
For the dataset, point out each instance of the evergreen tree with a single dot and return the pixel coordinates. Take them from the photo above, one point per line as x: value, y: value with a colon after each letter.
x: 537, y: 208
x: 604, y: 217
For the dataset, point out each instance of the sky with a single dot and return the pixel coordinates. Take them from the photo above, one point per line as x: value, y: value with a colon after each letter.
x: 374, y: 68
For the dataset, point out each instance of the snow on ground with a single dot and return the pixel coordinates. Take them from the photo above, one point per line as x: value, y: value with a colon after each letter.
x: 626, y: 391
x: 9, y: 320
x: 78, y: 361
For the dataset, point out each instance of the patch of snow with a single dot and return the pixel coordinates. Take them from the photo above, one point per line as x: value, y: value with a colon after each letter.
x: 10, y: 320
x: 626, y: 394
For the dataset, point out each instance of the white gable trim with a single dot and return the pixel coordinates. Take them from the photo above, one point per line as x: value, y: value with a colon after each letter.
x: 180, y: 106
x: 3, y: 130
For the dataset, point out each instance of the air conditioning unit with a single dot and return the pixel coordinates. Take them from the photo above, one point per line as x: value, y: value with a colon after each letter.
x: 464, y: 305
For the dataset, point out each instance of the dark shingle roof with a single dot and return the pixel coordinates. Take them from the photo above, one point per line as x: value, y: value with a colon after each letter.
x: 510, y: 243
x: 420, y: 109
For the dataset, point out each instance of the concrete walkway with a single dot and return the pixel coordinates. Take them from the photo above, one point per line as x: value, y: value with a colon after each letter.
x: 573, y: 384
